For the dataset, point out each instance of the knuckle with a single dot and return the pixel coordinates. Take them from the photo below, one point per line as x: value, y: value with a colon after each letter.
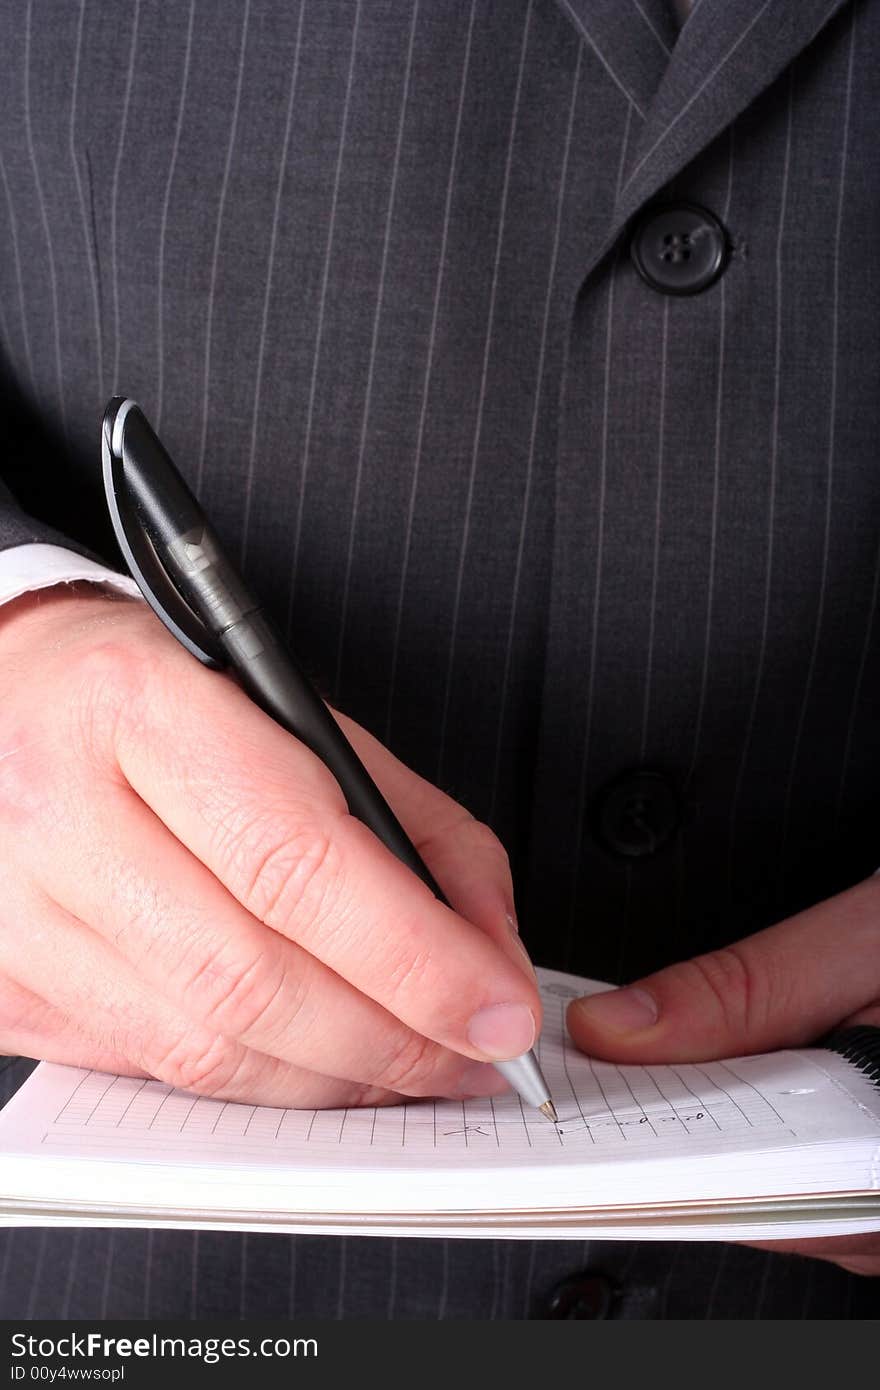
x: 116, y: 1038
x: 730, y: 979
x: 21, y: 1011
x: 368, y: 1095
x: 285, y: 883
x: 287, y: 1012
x: 108, y: 677
x: 27, y: 770
x: 206, y: 1066
x: 466, y: 833
x: 141, y: 925
x: 407, y: 977
x: 231, y: 995
x: 411, y: 1067
x: 103, y: 690
x: 483, y: 838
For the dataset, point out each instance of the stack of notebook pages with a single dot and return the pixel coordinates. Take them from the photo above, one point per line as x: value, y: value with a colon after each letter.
x: 783, y: 1144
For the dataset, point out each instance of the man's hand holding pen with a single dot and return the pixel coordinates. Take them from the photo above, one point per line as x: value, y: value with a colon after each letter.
x: 208, y: 912
x: 210, y: 915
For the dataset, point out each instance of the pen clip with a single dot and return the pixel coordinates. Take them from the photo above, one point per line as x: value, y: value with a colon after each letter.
x: 139, y: 553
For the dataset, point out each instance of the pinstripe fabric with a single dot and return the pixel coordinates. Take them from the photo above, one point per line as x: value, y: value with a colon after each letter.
x: 530, y: 468
x: 481, y: 405
x: 831, y: 435
x: 429, y: 362
x: 320, y: 320
x: 84, y: 213
x: 267, y: 295
x: 172, y: 164
x: 218, y: 227
x: 654, y: 28
x: 527, y: 519
x: 362, y: 442
x: 44, y: 219
x: 117, y: 169
x: 716, y: 464
x: 772, y: 486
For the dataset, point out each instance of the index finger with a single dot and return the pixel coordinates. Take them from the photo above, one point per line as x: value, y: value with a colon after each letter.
x: 269, y: 821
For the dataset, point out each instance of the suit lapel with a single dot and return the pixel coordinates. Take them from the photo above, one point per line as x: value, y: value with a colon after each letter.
x: 632, y: 40
x: 728, y: 52
x: 685, y: 87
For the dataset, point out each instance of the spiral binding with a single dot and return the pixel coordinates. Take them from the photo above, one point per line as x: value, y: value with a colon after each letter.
x: 859, y: 1045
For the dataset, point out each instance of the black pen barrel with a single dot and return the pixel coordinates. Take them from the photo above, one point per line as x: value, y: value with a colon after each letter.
x: 274, y: 682
x: 215, y: 616
x: 191, y: 553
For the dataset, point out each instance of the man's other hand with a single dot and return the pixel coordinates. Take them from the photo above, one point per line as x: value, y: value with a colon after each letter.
x: 783, y: 987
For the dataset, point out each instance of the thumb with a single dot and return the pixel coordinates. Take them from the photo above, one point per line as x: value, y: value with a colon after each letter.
x: 783, y: 987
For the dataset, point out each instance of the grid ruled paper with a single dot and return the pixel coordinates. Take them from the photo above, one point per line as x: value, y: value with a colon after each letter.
x: 604, y: 1109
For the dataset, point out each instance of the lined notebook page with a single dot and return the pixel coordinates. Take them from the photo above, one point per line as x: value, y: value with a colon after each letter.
x: 608, y: 1114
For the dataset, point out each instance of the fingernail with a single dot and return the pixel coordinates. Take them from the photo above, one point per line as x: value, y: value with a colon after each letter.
x: 620, y: 1010
x: 479, y: 1079
x: 502, y: 1031
x: 512, y: 922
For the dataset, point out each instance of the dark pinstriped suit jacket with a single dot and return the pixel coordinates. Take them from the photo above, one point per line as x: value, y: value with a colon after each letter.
x: 531, y: 521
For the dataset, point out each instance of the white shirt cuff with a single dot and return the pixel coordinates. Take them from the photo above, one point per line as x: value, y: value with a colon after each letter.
x: 24, y: 568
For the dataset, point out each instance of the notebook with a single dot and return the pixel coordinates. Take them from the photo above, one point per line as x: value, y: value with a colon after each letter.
x: 784, y: 1144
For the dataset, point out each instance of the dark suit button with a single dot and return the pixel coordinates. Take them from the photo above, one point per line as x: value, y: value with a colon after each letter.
x: 581, y: 1296
x: 637, y: 813
x: 679, y: 248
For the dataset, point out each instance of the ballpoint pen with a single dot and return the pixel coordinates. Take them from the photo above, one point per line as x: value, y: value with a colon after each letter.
x: 176, y: 560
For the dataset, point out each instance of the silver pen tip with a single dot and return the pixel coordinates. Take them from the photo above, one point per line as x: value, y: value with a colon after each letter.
x: 549, y: 1109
